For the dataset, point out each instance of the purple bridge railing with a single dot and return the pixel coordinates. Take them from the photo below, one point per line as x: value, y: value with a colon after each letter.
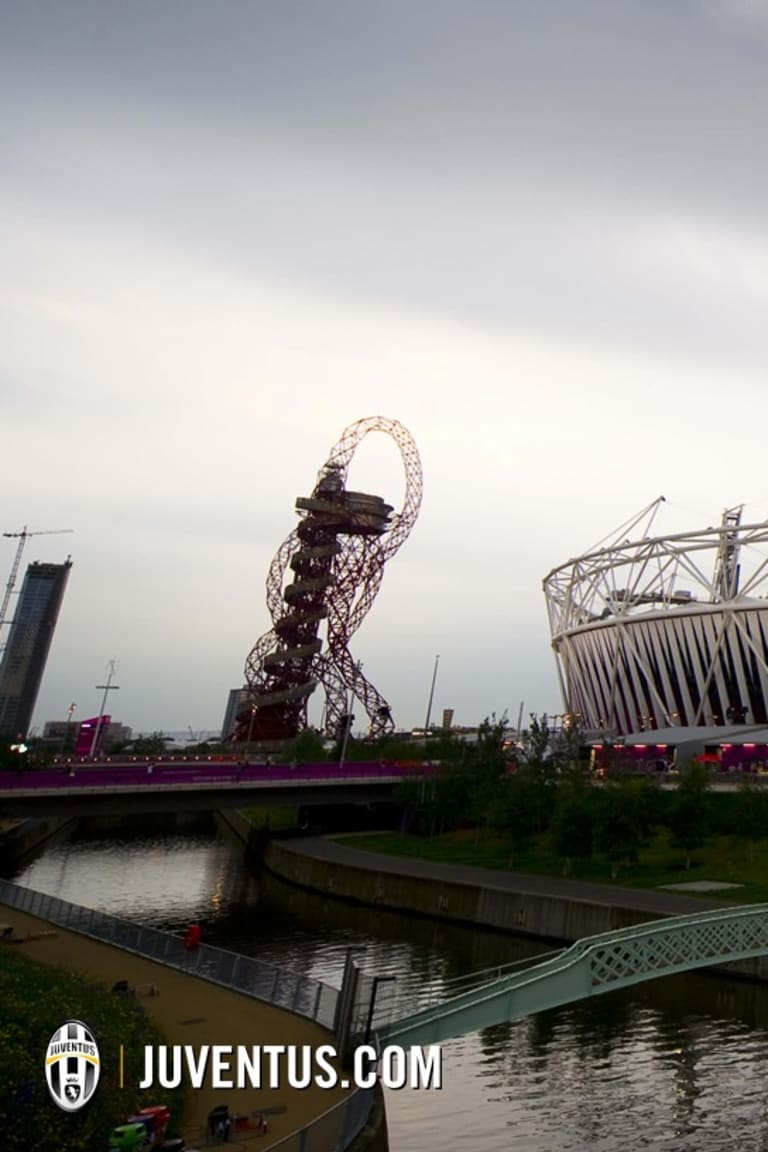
x: 180, y: 774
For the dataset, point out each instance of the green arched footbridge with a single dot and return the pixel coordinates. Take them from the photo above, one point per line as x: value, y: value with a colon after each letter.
x: 590, y: 967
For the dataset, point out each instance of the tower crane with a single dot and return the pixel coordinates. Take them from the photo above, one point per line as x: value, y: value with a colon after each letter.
x: 22, y: 536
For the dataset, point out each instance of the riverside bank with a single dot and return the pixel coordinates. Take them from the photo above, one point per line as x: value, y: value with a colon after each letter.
x: 19, y: 838
x: 540, y: 907
x: 111, y: 952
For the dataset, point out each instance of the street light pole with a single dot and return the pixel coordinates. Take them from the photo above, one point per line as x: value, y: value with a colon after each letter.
x: 108, y: 687
x: 348, y: 720
x: 68, y: 730
x: 431, y: 695
x: 250, y: 733
x: 347, y: 726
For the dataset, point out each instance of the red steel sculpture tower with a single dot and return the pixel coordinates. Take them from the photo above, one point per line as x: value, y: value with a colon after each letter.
x: 336, y: 558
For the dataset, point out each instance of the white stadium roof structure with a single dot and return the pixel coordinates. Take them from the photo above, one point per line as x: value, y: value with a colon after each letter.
x: 652, y: 632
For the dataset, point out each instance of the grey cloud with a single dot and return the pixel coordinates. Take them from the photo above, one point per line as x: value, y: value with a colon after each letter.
x: 593, y: 171
x: 479, y: 158
x: 643, y: 99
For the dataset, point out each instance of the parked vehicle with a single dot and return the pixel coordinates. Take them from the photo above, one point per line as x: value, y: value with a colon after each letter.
x: 146, y: 1129
x: 128, y: 1136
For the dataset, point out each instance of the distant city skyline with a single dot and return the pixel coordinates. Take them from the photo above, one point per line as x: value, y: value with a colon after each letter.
x: 536, y: 234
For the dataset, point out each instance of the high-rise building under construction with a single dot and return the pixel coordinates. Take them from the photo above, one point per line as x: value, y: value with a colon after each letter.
x: 29, y: 641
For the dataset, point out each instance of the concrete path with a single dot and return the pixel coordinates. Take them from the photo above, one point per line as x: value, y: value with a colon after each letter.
x: 192, y: 1011
x: 654, y: 902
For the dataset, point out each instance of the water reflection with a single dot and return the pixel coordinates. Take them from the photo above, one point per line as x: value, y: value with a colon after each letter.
x: 672, y: 1064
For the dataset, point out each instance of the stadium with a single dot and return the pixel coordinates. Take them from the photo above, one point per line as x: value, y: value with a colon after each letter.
x: 658, y: 632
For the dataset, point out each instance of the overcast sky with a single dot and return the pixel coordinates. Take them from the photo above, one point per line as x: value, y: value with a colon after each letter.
x: 534, y: 232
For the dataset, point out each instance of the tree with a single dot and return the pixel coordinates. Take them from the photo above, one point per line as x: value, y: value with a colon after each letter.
x: 689, y: 815
x: 625, y: 820
x: 450, y: 798
x: 573, y: 821
x: 751, y: 812
x: 150, y: 745
x: 517, y: 812
x: 536, y: 741
x: 308, y: 747
x: 484, y: 765
x: 437, y: 804
x: 536, y: 776
x: 465, y: 787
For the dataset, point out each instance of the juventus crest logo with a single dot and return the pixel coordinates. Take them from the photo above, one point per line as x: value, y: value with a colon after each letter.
x: 72, y: 1065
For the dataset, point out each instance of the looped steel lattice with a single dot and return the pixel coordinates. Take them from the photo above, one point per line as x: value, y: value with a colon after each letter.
x: 336, y: 556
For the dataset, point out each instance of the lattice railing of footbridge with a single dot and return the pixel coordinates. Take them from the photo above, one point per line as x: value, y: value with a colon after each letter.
x: 591, y: 966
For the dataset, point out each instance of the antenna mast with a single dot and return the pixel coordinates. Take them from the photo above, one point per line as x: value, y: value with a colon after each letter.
x: 726, y: 581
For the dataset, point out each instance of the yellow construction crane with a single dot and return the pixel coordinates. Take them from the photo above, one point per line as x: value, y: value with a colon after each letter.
x: 22, y: 536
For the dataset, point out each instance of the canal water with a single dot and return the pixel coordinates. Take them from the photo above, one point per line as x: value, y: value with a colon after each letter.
x: 674, y: 1064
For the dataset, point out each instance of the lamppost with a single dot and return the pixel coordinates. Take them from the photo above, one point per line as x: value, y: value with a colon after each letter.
x: 108, y: 687
x: 431, y: 694
x: 250, y: 732
x: 349, y: 718
x: 520, y: 719
x: 68, y: 730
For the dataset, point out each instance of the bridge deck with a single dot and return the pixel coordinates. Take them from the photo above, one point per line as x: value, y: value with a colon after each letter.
x: 157, y: 786
x: 591, y: 967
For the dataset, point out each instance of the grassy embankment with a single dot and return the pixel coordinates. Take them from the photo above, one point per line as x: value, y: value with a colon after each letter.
x: 34, y: 1001
x: 728, y: 859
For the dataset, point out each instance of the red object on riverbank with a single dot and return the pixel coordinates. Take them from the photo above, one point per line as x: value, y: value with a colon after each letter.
x: 192, y: 938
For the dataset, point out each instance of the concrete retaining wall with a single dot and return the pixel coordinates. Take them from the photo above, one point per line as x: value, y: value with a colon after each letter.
x: 553, y: 918
x: 25, y: 836
x: 239, y: 825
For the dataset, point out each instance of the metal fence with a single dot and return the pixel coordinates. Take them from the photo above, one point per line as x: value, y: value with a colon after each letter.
x: 395, y: 1002
x: 279, y: 986
x: 334, y: 1130
x: 331, y: 1132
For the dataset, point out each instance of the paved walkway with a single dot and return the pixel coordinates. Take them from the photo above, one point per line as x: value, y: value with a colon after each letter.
x: 192, y: 1011
x: 654, y: 902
